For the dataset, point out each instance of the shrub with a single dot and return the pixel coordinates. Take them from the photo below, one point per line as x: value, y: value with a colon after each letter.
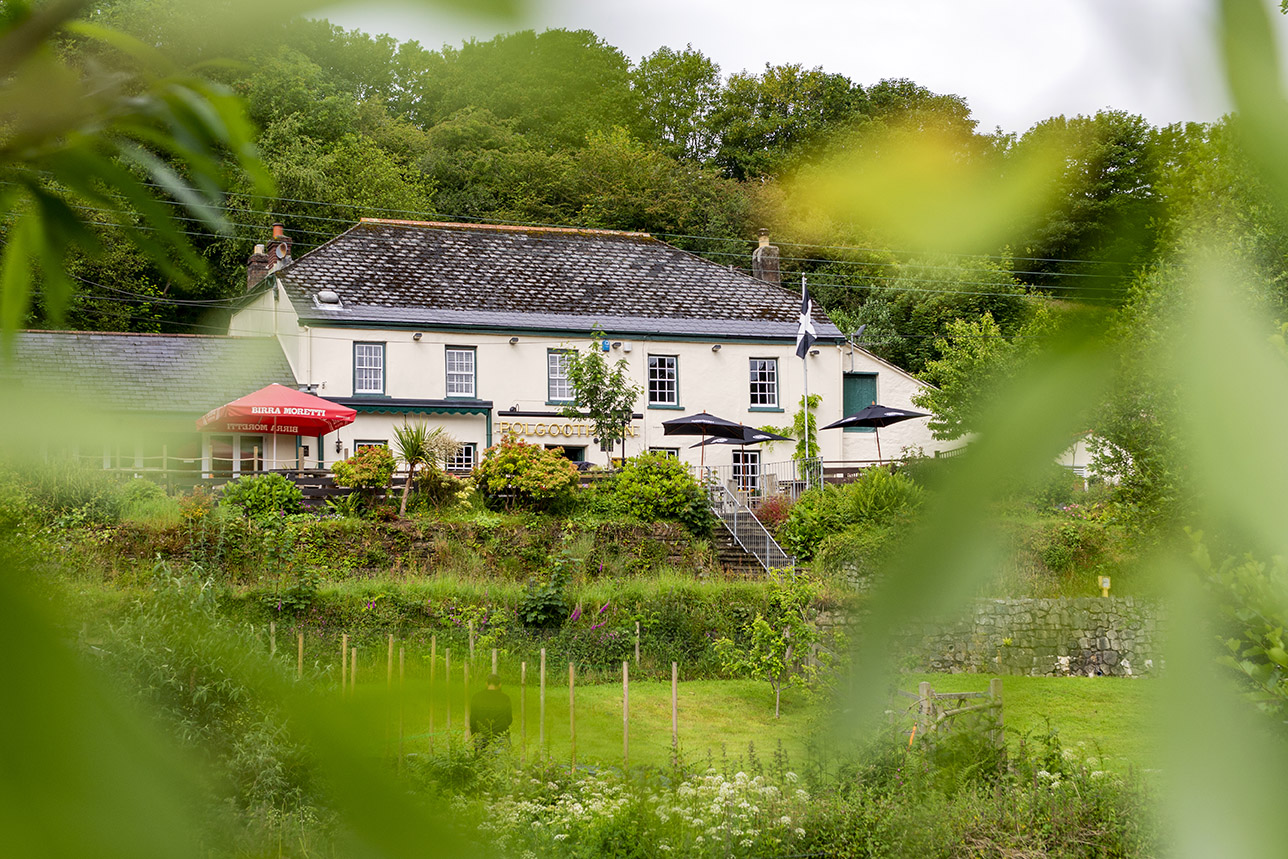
x: 263, y: 495
x: 195, y: 506
x: 370, y: 468
x: 544, y: 604
x: 654, y: 486
x: 514, y: 474
x: 65, y: 488
x: 876, y: 499
x: 144, y: 501
x: 774, y: 510
x: 437, y: 489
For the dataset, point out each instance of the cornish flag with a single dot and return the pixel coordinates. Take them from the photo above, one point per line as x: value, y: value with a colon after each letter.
x: 805, y: 335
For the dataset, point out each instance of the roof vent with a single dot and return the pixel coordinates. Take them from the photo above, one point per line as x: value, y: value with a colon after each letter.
x: 327, y: 297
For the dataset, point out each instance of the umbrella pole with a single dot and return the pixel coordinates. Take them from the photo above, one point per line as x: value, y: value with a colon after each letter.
x: 877, y: 430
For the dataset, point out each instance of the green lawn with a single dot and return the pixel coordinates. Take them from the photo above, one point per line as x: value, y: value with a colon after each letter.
x: 1105, y: 716
x: 1109, y: 716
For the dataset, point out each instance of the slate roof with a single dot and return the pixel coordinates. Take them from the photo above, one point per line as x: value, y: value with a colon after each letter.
x: 149, y: 373
x: 515, y: 278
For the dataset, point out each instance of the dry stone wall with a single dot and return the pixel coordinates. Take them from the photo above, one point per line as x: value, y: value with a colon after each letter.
x: 1117, y: 636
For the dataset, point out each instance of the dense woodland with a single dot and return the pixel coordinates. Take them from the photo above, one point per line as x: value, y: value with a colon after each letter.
x: 560, y: 128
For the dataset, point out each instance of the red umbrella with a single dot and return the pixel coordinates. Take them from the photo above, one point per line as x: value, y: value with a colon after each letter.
x: 278, y: 409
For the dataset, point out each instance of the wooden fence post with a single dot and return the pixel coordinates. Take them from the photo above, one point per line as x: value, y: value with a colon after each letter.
x: 925, y: 708
x: 433, y: 669
x: 467, y: 702
x: 494, y: 660
x: 541, y: 724
x: 402, y: 676
x: 995, y: 693
x: 447, y: 690
x: 299, y: 668
x: 675, y: 709
x: 344, y: 663
x: 572, y: 716
x: 523, y: 712
x: 272, y: 638
x: 637, y: 644
x: 389, y: 669
x: 626, y: 716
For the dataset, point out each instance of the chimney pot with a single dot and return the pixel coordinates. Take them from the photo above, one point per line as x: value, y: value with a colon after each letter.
x: 764, y: 261
x: 278, y: 231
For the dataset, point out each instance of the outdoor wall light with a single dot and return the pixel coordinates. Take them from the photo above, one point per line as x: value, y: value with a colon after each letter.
x: 514, y: 341
x: 813, y: 352
x: 337, y: 444
x: 617, y: 344
x: 417, y: 335
x: 715, y: 348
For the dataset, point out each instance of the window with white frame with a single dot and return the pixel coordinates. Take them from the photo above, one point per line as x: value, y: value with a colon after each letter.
x: 359, y: 444
x: 663, y: 380
x: 746, y: 470
x: 558, y: 387
x: 673, y: 452
x: 465, y: 459
x: 764, y: 383
x: 460, y: 371
x: 368, y: 368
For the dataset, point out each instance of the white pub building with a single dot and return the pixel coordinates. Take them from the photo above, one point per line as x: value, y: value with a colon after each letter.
x: 468, y: 327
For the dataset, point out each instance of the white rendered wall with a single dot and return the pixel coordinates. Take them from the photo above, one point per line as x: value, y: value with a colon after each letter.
x: 514, y: 378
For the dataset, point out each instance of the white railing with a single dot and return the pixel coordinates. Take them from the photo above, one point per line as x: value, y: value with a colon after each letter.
x: 764, y: 480
x: 747, y: 530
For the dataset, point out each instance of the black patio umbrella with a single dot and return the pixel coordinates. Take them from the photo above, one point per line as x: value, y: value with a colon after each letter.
x: 876, y: 416
x: 702, y: 424
x: 750, y: 435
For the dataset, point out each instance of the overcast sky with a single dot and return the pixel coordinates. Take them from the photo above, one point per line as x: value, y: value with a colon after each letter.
x: 1015, y: 61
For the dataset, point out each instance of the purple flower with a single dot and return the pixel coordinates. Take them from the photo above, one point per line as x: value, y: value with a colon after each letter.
x: 603, y: 608
x: 601, y: 567
x: 598, y: 625
x: 576, y: 614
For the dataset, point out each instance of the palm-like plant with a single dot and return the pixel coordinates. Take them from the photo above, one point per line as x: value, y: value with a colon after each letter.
x: 413, y: 445
x: 416, y: 445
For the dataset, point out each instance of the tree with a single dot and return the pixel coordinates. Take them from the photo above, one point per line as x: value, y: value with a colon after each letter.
x: 677, y: 91
x: 975, y: 358
x: 1104, y: 210
x: 605, y: 395
x: 779, y: 638
x: 417, y: 445
x: 763, y: 119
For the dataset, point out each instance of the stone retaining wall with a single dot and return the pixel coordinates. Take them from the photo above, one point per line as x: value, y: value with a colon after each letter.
x: 1117, y: 636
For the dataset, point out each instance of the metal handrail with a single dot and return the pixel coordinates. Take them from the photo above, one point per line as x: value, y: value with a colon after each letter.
x: 789, y: 478
x: 748, y: 531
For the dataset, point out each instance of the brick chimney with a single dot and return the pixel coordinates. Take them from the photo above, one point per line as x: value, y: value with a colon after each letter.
x: 764, y: 261
x: 279, y: 249
x: 256, y: 267
x: 266, y: 260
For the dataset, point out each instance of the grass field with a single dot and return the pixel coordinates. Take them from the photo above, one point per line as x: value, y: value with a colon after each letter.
x: 1103, y: 716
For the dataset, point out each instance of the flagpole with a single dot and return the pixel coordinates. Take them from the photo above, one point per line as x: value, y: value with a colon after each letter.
x: 805, y: 406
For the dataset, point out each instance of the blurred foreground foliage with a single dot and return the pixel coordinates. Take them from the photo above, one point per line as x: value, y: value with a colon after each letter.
x: 1194, y: 395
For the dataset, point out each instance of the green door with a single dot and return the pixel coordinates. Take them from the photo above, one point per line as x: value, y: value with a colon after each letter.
x: 859, y: 391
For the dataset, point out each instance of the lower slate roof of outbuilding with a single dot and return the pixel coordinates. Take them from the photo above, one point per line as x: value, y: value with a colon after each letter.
x: 390, y: 273
x: 150, y: 373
